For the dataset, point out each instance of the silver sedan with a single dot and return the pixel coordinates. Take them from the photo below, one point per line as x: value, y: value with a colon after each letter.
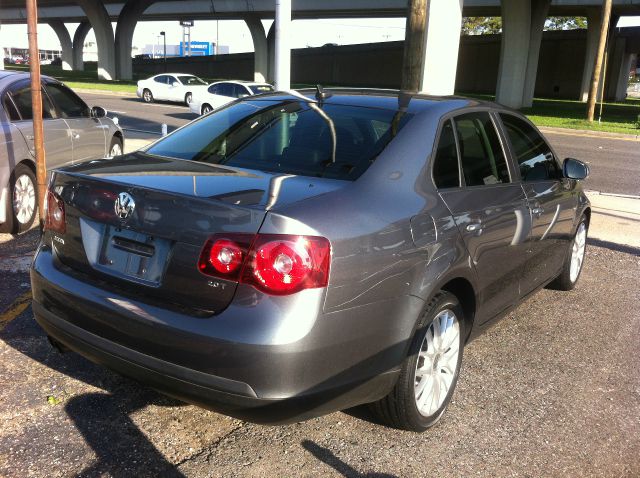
x: 73, y: 133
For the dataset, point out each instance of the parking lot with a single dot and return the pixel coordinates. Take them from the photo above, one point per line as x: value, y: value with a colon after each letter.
x: 552, y: 390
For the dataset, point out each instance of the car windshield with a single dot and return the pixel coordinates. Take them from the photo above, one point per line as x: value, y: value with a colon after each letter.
x: 191, y: 80
x: 288, y: 137
x: 257, y: 89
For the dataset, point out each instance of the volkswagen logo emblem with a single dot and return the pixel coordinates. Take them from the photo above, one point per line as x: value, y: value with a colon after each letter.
x: 124, y: 206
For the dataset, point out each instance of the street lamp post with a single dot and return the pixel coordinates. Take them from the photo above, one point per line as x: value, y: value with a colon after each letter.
x: 164, y: 38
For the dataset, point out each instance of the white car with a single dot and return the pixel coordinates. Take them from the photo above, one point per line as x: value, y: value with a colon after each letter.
x: 178, y: 87
x: 223, y: 92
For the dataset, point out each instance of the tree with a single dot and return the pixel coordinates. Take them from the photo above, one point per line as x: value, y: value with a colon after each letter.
x: 565, y: 23
x: 481, y: 25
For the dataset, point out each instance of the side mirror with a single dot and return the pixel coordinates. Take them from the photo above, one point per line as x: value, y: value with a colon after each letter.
x: 575, y: 169
x: 175, y: 83
x: 98, y: 112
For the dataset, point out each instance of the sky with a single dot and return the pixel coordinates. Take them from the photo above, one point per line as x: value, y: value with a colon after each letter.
x: 235, y: 34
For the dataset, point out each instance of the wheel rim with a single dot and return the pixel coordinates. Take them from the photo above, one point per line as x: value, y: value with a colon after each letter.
x: 437, y: 362
x: 206, y: 110
x: 147, y: 95
x: 577, y: 252
x: 116, y: 150
x: 188, y: 98
x: 24, y: 199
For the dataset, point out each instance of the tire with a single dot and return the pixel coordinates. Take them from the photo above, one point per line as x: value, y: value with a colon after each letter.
x: 206, y: 109
x: 115, y: 148
x: 22, y: 204
x: 188, y: 98
x: 400, y: 408
x: 147, y: 96
x: 568, y: 278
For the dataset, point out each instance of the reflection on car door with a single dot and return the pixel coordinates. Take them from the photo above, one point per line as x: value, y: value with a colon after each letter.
x: 57, y: 136
x: 552, y: 201
x: 87, y: 133
x: 488, y: 208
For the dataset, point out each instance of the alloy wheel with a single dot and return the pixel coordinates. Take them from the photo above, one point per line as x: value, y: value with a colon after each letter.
x: 437, y: 363
x: 24, y: 199
x: 116, y: 150
x: 577, y: 251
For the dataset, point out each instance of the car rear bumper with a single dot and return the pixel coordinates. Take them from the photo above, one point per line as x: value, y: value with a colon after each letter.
x: 260, y: 382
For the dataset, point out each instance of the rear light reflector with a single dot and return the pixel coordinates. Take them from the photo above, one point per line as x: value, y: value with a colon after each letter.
x: 273, y: 263
x: 55, y: 217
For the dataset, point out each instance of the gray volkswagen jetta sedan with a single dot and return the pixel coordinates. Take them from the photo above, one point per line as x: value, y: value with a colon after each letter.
x: 73, y: 133
x: 293, y: 254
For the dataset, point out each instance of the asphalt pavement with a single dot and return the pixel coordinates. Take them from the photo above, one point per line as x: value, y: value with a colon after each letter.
x: 614, y: 161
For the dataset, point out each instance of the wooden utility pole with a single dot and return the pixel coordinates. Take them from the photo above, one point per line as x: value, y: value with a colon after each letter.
x: 412, y: 64
x: 36, y: 104
x: 597, y: 67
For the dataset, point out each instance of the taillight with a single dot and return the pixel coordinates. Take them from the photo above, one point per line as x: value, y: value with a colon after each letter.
x: 273, y: 263
x: 54, y: 219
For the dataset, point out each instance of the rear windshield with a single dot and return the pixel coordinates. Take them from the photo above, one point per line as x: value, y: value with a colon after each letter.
x: 291, y: 137
x: 257, y: 89
x: 191, y: 80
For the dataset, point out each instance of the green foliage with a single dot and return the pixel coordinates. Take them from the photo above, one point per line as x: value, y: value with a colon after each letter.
x: 481, y: 25
x: 565, y: 23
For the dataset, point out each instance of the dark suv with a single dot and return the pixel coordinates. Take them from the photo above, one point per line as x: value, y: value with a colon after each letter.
x: 290, y: 255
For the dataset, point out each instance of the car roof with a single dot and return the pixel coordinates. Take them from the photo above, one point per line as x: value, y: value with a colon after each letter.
x: 395, y: 100
x: 243, y: 82
x: 9, y: 77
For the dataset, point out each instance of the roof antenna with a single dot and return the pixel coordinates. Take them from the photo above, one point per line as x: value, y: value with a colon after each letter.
x: 322, y: 95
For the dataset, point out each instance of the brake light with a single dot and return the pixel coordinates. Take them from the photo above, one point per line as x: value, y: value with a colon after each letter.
x: 273, y: 263
x: 55, y: 217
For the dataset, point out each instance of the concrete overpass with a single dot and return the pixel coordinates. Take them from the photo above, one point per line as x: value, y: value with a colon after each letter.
x: 523, y: 22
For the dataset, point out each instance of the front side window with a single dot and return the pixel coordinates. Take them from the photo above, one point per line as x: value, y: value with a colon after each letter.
x: 69, y: 104
x: 290, y: 137
x: 445, y: 163
x: 257, y: 89
x: 171, y: 80
x: 530, y: 150
x: 483, y: 160
x: 21, y: 95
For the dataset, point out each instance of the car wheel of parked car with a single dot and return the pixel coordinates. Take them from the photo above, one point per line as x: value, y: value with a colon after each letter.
x: 188, y: 98
x: 115, y: 149
x: 147, y: 96
x: 574, y: 261
x: 430, y: 371
x: 23, y: 206
x: 206, y: 109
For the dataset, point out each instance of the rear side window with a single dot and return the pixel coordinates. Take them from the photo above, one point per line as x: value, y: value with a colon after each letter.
x: 533, y: 154
x: 445, y: 164
x: 161, y: 79
x: 291, y: 137
x: 9, y: 107
x: 21, y: 95
x: 481, y: 154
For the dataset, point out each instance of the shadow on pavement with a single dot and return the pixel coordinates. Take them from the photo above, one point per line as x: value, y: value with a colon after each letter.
x: 635, y: 251
x: 328, y: 457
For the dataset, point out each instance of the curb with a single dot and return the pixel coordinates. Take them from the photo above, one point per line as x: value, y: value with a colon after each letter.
x: 604, y: 134
x: 105, y: 92
x: 615, y: 195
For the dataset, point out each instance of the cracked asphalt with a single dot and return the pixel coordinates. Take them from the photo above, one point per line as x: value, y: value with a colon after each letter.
x: 551, y: 390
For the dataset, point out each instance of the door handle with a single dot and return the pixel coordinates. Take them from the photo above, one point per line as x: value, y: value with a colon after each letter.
x: 29, y: 137
x: 474, y: 227
x: 537, y: 211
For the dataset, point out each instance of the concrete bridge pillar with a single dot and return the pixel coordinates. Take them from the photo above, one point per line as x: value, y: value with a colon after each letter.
x: 442, y: 42
x: 522, y: 24
x: 271, y: 53
x: 64, y: 38
x: 127, y: 21
x: 78, y: 45
x: 101, y: 23
x: 594, y: 19
x: 618, y: 80
x: 260, y: 48
x: 1, y: 51
x: 282, y: 74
